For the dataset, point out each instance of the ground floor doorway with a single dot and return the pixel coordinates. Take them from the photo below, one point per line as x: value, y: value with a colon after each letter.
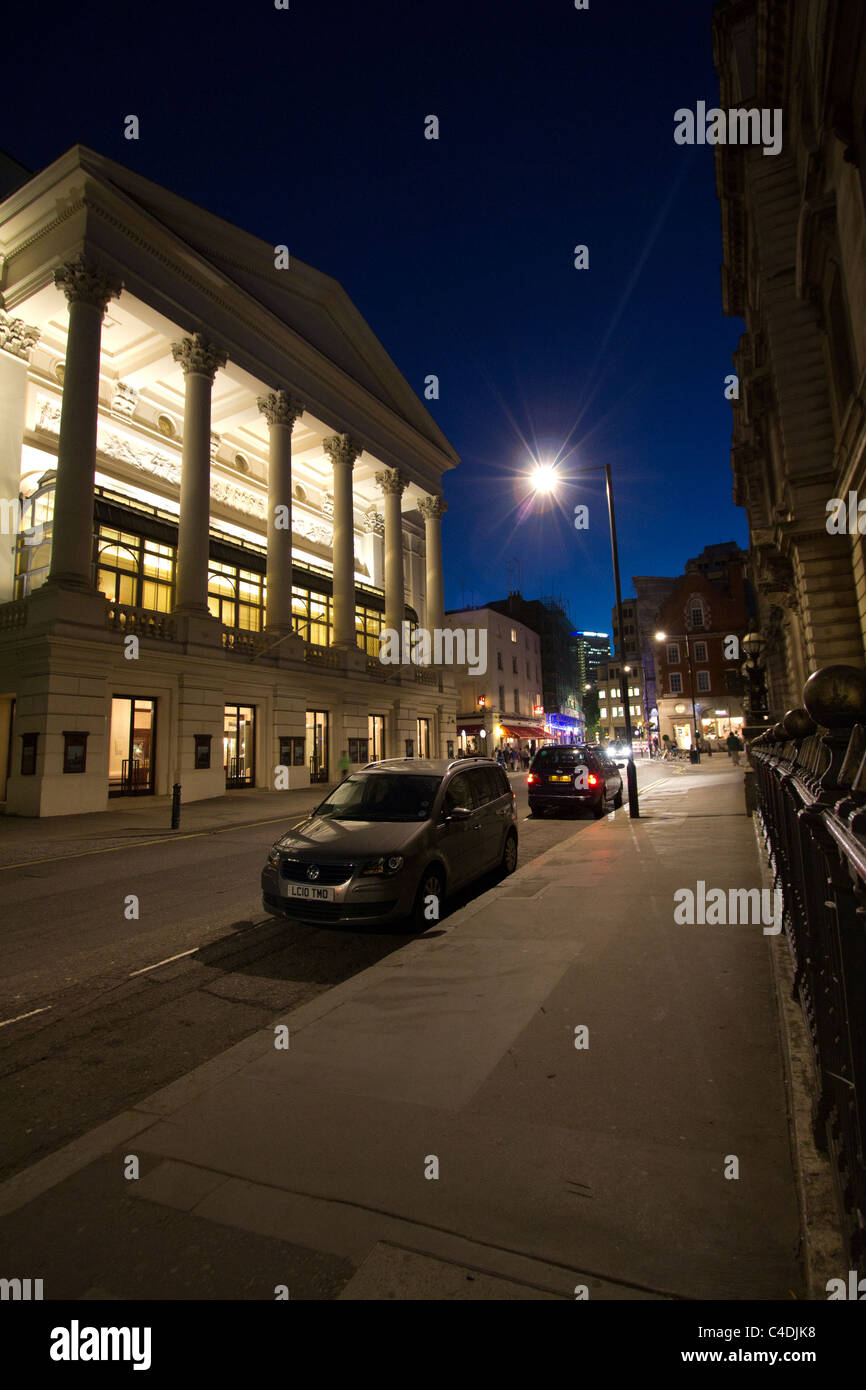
x: 318, y: 740
x: 239, y: 745
x: 131, y: 760
x: 376, y: 737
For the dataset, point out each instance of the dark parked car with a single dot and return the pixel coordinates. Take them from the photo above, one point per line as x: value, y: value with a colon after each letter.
x: 577, y: 775
x: 390, y: 839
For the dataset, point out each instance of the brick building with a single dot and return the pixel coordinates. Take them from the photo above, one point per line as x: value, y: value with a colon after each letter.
x: 698, y: 663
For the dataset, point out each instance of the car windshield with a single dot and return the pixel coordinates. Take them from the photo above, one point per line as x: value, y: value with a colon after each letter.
x: 381, y: 796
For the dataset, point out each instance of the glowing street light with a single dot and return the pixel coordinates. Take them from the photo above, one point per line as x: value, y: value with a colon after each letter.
x: 544, y: 477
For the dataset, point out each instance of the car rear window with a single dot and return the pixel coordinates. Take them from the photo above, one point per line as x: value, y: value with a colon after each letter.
x: 565, y: 756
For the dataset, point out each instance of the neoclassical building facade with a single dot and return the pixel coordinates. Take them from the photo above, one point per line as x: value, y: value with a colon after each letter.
x: 216, y: 490
x: 794, y: 244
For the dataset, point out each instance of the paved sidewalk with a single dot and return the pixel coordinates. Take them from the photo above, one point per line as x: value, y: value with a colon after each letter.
x: 557, y: 1166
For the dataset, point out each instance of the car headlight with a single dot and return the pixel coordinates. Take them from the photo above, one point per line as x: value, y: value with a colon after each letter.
x: 274, y: 856
x: 386, y: 864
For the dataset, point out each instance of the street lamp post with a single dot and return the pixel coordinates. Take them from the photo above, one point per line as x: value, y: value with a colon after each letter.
x: 545, y: 476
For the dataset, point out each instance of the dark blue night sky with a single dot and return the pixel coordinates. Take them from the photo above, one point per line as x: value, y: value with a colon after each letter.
x: 306, y: 126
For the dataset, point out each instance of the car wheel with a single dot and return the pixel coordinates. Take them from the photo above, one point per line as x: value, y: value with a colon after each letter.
x: 508, y: 863
x: 432, y: 885
x: 599, y: 809
x: 617, y: 801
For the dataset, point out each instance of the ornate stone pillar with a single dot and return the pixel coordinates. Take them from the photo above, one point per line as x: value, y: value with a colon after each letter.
x: 88, y: 288
x: 393, y: 485
x: 433, y: 509
x: 199, y: 360
x: 281, y: 411
x: 342, y: 451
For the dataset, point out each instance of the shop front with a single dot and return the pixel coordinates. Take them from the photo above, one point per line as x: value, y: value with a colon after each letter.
x: 239, y: 742
x: 131, y: 746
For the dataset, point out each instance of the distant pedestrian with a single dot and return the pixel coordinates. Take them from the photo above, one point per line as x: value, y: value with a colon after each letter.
x: 500, y: 757
x: 733, y: 745
x: 514, y: 760
x: 525, y: 759
x: 343, y: 765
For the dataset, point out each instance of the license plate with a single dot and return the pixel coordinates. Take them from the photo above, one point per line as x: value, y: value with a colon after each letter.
x: 560, y: 777
x: 310, y: 893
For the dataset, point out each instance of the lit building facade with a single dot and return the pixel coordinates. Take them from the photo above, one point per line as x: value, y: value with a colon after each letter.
x: 698, y: 663
x: 501, y: 707
x: 217, y: 489
x: 611, y: 709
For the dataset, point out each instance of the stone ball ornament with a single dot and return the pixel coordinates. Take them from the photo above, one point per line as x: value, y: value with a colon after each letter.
x: 798, y: 723
x: 835, y: 696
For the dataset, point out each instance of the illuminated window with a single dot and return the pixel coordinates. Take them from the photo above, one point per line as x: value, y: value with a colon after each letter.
x: 368, y: 624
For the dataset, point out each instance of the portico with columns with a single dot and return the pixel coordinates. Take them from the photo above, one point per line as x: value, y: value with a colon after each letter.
x: 219, y: 511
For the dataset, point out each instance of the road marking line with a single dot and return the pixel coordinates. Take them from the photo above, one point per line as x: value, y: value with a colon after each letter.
x: 167, y: 961
x: 7, y: 1021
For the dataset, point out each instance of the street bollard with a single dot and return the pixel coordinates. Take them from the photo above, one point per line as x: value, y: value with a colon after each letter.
x: 175, y: 806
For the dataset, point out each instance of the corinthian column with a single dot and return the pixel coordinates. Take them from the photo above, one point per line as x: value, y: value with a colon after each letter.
x: 433, y: 509
x: 393, y: 485
x: 342, y: 452
x: 281, y: 411
x: 199, y: 360
x: 88, y: 288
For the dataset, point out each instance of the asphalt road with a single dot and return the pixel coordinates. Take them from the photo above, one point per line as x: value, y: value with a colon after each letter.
x: 99, y: 1009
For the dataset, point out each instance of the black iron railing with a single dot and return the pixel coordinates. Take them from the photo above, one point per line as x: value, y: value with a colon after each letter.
x: 811, y: 804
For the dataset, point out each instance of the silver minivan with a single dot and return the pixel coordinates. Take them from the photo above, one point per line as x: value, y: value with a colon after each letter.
x: 392, y: 841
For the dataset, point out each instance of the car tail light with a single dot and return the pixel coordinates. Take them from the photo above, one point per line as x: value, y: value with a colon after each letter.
x: 592, y: 780
x: 530, y: 778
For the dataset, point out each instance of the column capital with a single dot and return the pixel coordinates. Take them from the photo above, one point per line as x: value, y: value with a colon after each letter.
x: 280, y: 408
x: 391, y: 480
x: 374, y: 523
x: 84, y: 281
x: 17, y: 337
x: 341, y: 448
x: 432, y: 508
x: 197, y: 354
